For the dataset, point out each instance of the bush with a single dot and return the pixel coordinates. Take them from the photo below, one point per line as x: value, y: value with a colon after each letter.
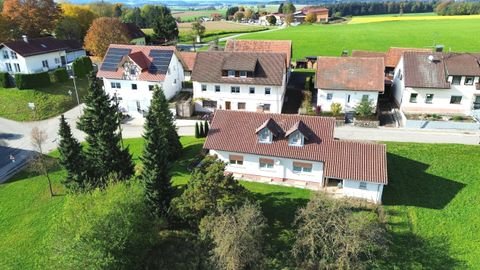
x: 4, y: 80
x: 31, y: 81
x: 365, y: 108
x: 82, y: 66
x: 336, y: 108
x: 59, y: 75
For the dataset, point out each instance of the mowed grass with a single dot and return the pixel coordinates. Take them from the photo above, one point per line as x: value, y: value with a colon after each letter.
x: 330, y: 40
x: 431, y: 206
x: 49, y: 101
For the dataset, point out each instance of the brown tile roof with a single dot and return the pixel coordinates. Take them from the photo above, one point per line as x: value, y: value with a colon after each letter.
x: 420, y: 71
x: 188, y: 60
x: 462, y: 64
x: 247, y: 62
x: 359, y: 53
x: 394, y: 54
x: 43, y: 45
x: 146, y: 75
x: 133, y: 31
x: 269, y: 70
x: 343, y: 159
x: 350, y: 73
x: 268, y: 46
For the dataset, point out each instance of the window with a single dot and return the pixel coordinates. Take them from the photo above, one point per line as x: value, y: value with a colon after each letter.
x: 134, y: 86
x: 455, y: 99
x: 231, y: 73
x: 115, y: 85
x: 17, y: 67
x: 456, y: 80
x: 429, y: 98
x: 362, y: 185
x: 364, y: 97
x: 45, y: 63
x: 174, y: 81
x: 217, y: 88
x: 151, y: 87
x: 132, y: 71
x: 413, y: 97
x: 295, y: 139
x: 469, y: 80
x: 9, y: 67
x: 300, y: 167
x: 243, y: 74
x: 13, y: 55
x: 204, y: 87
x: 267, y: 90
x: 329, y: 96
x: 265, y: 136
x: 251, y: 90
x: 5, y: 55
x: 57, y: 60
x: 236, y: 160
x: 266, y: 107
x: 265, y: 163
x: 209, y: 104
x: 241, y: 105
x: 235, y: 89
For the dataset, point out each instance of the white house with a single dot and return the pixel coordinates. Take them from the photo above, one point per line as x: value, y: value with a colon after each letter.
x: 298, y: 151
x: 130, y: 73
x: 38, y: 54
x: 348, y: 81
x: 441, y: 83
x: 239, y: 81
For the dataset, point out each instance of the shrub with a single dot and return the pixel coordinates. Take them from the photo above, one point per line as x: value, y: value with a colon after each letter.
x: 82, y: 66
x: 336, y: 109
x: 30, y: 81
x: 4, y: 80
x: 59, y: 75
x: 365, y: 108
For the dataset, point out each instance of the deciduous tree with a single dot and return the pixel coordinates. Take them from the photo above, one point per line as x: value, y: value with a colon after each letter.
x: 311, y: 18
x: 80, y: 14
x: 31, y: 17
x: 103, y: 32
x: 41, y: 163
x: 198, y: 29
x: 68, y: 28
x: 272, y: 20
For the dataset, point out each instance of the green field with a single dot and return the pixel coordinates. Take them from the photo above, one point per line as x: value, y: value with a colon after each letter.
x: 49, y: 101
x: 456, y: 34
x: 431, y: 205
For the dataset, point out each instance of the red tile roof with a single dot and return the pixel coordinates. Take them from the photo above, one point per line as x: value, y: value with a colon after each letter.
x: 188, y: 60
x: 269, y: 46
x: 234, y: 131
x: 394, y: 54
x: 350, y: 73
x: 146, y: 75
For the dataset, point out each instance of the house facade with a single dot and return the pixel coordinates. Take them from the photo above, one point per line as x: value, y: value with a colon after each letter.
x: 438, y: 83
x: 347, y: 81
x: 239, y: 81
x: 297, y: 151
x: 38, y: 55
x: 188, y: 61
x: 131, y: 72
x: 321, y: 14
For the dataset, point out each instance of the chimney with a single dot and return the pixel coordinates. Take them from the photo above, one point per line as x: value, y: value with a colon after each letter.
x: 344, y: 53
x: 25, y: 38
x: 439, y: 48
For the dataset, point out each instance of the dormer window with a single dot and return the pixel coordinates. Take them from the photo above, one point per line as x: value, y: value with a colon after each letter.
x: 469, y: 80
x: 231, y: 73
x: 296, y: 139
x: 268, y: 130
x: 265, y: 136
x: 243, y: 74
x: 298, y: 133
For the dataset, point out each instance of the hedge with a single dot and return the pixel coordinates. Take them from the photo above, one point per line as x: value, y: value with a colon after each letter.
x: 59, y: 75
x: 82, y: 66
x: 32, y: 81
x: 4, y: 80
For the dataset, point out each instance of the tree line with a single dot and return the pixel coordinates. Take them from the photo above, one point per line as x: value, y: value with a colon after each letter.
x: 373, y: 8
x: 450, y: 7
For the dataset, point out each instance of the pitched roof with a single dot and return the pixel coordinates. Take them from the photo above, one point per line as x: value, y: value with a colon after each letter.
x: 133, y: 31
x: 394, y: 54
x: 135, y: 54
x: 269, y: 69
x: 316, y: 10
x: 462, y: 64
x: 268, y: 46
x: 350, y: 73
x: 247, y: 62
x: 420, y: 71
x: 188, y: 60
x: 43, y: 45
x: 343, y: 159
x: 360, y: 53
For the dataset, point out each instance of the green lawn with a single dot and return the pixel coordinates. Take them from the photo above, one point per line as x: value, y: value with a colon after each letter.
x: 314, y: 40
x: 431, y: 202
x: 49, y: 101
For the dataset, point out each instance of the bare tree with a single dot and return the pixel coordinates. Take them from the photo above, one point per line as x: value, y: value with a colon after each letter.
x: 41, y: 163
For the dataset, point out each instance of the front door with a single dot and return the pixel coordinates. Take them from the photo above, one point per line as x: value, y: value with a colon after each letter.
x: 63, y: 60
x: 227, y: 105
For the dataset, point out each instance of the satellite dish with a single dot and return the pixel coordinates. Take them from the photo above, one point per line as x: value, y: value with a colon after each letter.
x: 430, y: 58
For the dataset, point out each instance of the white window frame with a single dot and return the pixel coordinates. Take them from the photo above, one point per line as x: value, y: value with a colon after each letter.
x: 235, y: 162
x: 17, y: 67
x: 235, y: 89
x: 134, y: 86
x: 45, y: 64
x: 413, y: 98
x: 362, y: 185
x: 265, y: 136
x: 218, y: 89
x: 9, y: 67
x: 427, y: 97
x: 298, y: 169
x: 250, y: 90
x: 243, y: 74
x: 470, y: 79
x: 13, y: 55
x: 268, y: 90
x: 5, y: 55
x: 204, y: 87
x: 329, y: 96
x: 231, y: 73
x: 266, y: 165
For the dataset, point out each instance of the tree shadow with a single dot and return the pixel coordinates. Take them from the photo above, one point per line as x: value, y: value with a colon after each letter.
x: 10, y: 136
x: 411, y: 185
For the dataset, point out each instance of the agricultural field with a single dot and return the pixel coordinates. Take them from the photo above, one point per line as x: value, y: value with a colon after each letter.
x: 315, y: 40
x: 191, y: 15
x: 409, y: 17
x: 431, y: 207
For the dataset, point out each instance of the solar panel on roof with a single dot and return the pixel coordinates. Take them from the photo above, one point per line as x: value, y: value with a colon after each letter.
x: 113, y: 58
x: 161, y: 60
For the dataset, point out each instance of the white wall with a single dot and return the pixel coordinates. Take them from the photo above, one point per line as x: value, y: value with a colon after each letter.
x: 71, y: 56
x: 340, y: 96
x: 282, y: 168
x: 373, y: 192
x: 275, y: 99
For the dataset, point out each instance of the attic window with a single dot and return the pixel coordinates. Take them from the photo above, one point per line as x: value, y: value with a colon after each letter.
x: 243, y: 74
x: 468, y: 80
x: 231, y: 73
x: 265, y: 136
x: 296, y: 139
